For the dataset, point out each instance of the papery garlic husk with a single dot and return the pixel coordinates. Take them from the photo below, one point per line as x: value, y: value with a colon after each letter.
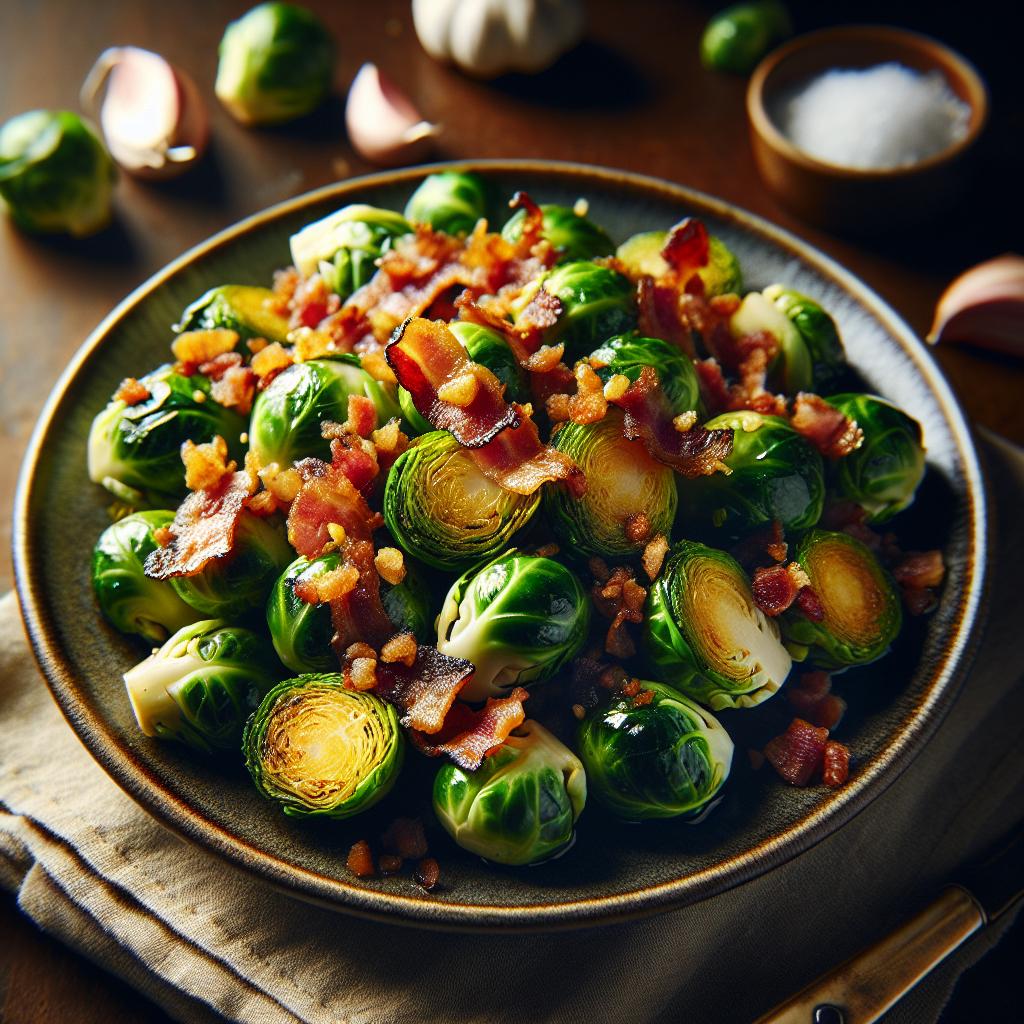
x: 984, y: 306
x: 383, y: 125
x: 152, y: 115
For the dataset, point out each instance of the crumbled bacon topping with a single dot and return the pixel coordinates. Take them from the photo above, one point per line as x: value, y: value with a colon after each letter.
x: 835, y: 764
x: 132, y: 392
x: 269, y: 361
x: 777, y: 587
x: 328, y: 586
x: 589, y: 404
x: 428, y: 873
x: 620, y: 599
x: 425, y: 691
x: 401, y: 648
x: 390, y: 563
x: 918, y: 570
x: 362, y: 674
x: 811, y: 698
x: 196, y: 347
x: 832, y: 433
x: 687, y: 247
x: 360, y: 860
x: 797, y: 754
x: 206, y: 464
x: 654, y: 555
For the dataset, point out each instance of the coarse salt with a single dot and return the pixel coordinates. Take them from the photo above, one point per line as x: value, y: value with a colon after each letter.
x: 876, y: 118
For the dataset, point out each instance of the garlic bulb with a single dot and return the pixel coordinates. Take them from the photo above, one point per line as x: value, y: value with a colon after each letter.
x: 491, y: 37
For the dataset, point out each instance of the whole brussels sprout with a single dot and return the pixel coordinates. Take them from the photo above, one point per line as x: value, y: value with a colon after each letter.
x: 204, y: 682
x: 662, y: 759
x: 490, y: 349
x: 775, y: 475
x: 860, y: 604
x: 573, y: 237
x: 623, y: 481
x: 882, y: 475
x: 286, y: 417
x: 238, y: 583
x: 520, y: 805
x: 820, y: 337
x: 317, y: 748
x: 628, y: 354
x: 641, y: 256
x: 276, y: 64
x: 130, y: 600
x: 139, y: 446
x: 441, y: 508
x: 703, y: 631
x: 451, y: 201
x: 518, y: 619
x: 250, y: 311
x: 738, y: 37
x: 55, y: 174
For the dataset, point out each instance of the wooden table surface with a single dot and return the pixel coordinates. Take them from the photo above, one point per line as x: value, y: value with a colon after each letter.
x: 632, y: 96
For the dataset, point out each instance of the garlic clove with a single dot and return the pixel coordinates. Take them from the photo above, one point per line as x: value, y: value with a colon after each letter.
x: 152, y: 115
x: 383, y: 125
x: 984, y: 306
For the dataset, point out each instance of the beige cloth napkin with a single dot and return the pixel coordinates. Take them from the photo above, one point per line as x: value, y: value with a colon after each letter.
x: 201, y: 940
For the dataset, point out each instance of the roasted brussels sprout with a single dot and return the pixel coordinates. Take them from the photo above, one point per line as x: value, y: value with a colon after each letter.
x: 451, y: 201
x: 662, y: 759
x: 623, y: 483
x: 792, y: 369
x: 775, y: 474
x: 628, y: 354
x: 55, y: 174
x: 131, y: 601
x: 518, y: 619
x: 820, y: 337
x: 490, y: 349
x: 738, y: 37
x: 250, y: 311
x: 204, y: 682
x: 860, y: 604
x: 571, y: 235
x: 286, y: 417
x: 882, y: 475
x: 703, y: 631
x: 520, y: 805
x: 317, y: 748
x: 441, y: 508
x: 641, y: 256
x: 135, y: 450
x: 276, y: 64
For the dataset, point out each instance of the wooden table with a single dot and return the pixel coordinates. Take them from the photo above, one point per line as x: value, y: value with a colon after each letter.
x: 632, y: 96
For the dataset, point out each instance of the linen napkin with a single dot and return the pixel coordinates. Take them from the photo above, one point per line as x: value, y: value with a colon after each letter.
x: 206, y: 943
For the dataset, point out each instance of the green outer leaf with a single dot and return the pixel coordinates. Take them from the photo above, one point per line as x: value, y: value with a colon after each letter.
x: 628, y: 354
x: 738, y: 37
x: 236, y: 307
x: 665, y: 759
x: 641, y: 255
x: 451, y: 201
x: 490, y: 349
x: 413, y: 421
x: 820, y: 336
x: 571, y: 236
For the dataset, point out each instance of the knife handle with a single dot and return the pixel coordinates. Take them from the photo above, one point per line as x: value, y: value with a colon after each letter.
x: 860, y: 990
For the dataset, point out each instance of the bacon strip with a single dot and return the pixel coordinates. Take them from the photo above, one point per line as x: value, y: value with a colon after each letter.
x: 425, y: 691
x: 832, y: 433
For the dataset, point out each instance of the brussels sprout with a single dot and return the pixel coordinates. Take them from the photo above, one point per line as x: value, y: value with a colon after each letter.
x: 792, y: 369
x: 345, y: 245
x: 775, y: 474
x: 490, y: 349
x: 628, y: 354
x: 883, y: 473
x: 520, y: 805
x: 622, y: 481
x: 276, y: 64
x: 597, y: 303
x: 243, y: 308
x: 200, y: 687
x: 862, y: 614
x: 738, y: 37
x: 450, y: 201
x: 572, y: 236
x: 441, y: 508
x: 131, y: 601
x: 641, y: 256
x: 55, y: 174
x: 239, y: 582
x: 663, y: 759
x: 414, y: 422
x: 317, y: 748
x: 286, y: 417
x: 820, y: 337
x: 139, y: 446
x: 703, y: 632
x: 518, y: 619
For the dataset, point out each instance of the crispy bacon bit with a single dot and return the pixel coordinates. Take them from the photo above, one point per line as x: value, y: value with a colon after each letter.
x: 836, y: 764
x: 268, y: 362
x: 390, y: 563
x: 360, y: 860
x: 685, y: 421
x: 329, y: 586
x: 546, y: 358
x: 654, y: 555
x: 919, y: 570
x: 197, y: 347
x: 359, y: 650
x: 589, y: 404
x: 547, y: 551
x: 642, y: 698
x: 687, y: 247
x: 263, y: 504
x: 613, y: 678
x: 362, y: 674
x: 459, y: 390
x: 406, y: 838
x: 377, y: 367
x: 389, y: 439
x: 659, y: 315
x: 557, y: 408
x: 599, y: 569
x: 163, y: 535
x: 490, y: 728
x: 638, y: 528
x: 620, y: 599
x: 284, y: 484
x: 797, y: 754
x: 389, y: 864
x: 776, y: 546
x: 579, y: 712
x: 811, y: 699
x: 631, y: 688
x: 401, y: 648
x: 615, y: 387
x: 540, y: 313
x: 808, y: 602
x: 427, y: 873
x: 286, y: 281
x: 777, y: 587
x: 362, y: 419
x: 832, y: 433
x: 255, y: 345
x: 206, y: 464
x: 235, y: 389
x: 310, y: 302
x: 424, y: 692
x: 131, y: 392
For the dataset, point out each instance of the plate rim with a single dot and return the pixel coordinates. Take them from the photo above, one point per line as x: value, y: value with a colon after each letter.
x: 825, y: 818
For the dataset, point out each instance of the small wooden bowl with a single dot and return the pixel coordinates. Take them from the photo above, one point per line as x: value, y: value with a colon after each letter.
x: 848, y: 198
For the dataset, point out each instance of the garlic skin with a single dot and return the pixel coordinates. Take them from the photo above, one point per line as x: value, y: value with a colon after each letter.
x: 984, y: 306
x: 383, y: 125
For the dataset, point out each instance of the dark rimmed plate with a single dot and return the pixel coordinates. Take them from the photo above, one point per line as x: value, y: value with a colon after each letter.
x: 614, y: 871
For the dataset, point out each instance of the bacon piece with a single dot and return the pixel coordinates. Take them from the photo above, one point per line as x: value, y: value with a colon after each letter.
x: 132, y: 391
x: 621, y: 599
x: 427, y: 873
x: 832, y: 433
x: 540, y: 313
x: 797, y: 754
x: 812, y: 700
x: 836, y: 764
x: 919, y: 570
x: 425, y: 691
x: 360, y: 860
x: 810, y: 604
x: 687, y: 247
x: 774, y: 589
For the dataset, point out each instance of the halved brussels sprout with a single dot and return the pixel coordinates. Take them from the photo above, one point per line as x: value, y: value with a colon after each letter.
x: 317, y: 748
x: 520, y: 805
x: 628, y: 354
x: 662, y: 759
x: 204, y: 682
x: 862, y: 613
x: 641, y: 256
x: 286, y: 417
x: 518, y: 619
x: 451, y: 201
x: 820, y: 336
x: 490, y: 349
x: 704, y: 634
x: 249, y: 310
x: 135, y: 450
x: 775, y: 474
x: 130, y: 600
x: 792, y: 370
x: 572, y: 236
x: 882, y: 475
x: 622, y: 481
x: 441, y: 508
x: 239, y: 582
